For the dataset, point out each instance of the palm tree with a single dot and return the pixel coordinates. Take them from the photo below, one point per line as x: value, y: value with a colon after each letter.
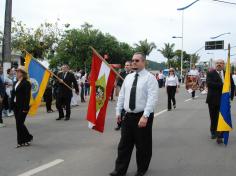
x: 145, y: 47
x: 168, y: 52
x: 194, y: 58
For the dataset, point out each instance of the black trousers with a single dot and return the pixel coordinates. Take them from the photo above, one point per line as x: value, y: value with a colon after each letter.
x: 161, y: 82
x: 214, y: 116
x: 61, y: 103
x: 49, y: 105
x: 82, y: 93
x: 23, y: 134
x: 193, y: 94
x: 141, y: 138
x: 171, y: 91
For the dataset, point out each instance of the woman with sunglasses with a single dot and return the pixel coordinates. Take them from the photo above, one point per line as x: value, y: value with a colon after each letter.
x: 171, y: 84
x: 20, y: 100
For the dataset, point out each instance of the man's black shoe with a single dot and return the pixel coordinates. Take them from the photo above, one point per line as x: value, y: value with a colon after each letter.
x: 213, y: 136
x: 66, y: 119
x: 59, y: 118
x: 115, y: 173
x: 140, y: 174
x: 117, y: 128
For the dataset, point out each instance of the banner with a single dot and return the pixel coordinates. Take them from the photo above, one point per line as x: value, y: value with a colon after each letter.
x: 39, y: 77
x: 102, y: 82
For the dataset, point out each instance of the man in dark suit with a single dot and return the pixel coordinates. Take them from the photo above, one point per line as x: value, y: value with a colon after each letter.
x: 64, y: 93
x: 215, y: 81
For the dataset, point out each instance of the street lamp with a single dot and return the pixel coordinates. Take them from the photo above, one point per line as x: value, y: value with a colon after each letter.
x: 211, y: 60
x: 227, y: 33
x: 182, y: 52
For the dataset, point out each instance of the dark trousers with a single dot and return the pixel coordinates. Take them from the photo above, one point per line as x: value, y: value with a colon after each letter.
x: 82, y: 93
x: 1, y: 121
x: 61, y: 103
x: 49, y: 105
x: 214, y: 116
x: 141, y: 138
x: 171, y: 91
x: 87, y: 90
x: 193, y: 94
x: 23, y: 134
x: 161, y: 82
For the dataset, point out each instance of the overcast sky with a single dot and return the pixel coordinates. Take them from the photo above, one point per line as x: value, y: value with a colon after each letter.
x: 134, y: 20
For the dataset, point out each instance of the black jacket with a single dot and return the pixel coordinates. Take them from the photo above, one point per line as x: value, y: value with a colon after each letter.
x: 64, y: 91
x: 22, y: 95
x: 120, y: 81
x: 215, y: 86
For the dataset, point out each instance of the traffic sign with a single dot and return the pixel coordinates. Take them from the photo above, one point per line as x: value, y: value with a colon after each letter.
x: 214, y: 45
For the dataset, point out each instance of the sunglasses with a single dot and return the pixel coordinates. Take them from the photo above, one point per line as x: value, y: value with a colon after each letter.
x: 135, y: 60
x: 171, y: 71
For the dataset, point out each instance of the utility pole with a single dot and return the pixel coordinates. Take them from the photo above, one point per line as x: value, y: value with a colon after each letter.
x: 6, y: 47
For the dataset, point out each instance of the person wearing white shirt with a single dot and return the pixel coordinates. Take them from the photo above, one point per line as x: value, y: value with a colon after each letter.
x: 138, y: 97
x: 171, y: 84
x: 161, y: 79
x: 9, y: 86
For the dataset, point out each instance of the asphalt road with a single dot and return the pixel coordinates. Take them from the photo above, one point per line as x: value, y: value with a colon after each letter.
x: 181, y: 144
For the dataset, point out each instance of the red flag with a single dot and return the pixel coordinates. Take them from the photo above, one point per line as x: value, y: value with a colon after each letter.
x: 102, y: 82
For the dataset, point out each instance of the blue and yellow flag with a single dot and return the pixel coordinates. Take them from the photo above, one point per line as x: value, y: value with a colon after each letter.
x: 225, y: 122
x: 39, y: 77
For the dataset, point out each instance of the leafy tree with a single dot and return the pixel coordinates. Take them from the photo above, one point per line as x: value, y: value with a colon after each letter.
x: 40, y: 41
x: 73, y: 48
x: 177, y: 59
x: 145, y: 47
x: 168, y: 52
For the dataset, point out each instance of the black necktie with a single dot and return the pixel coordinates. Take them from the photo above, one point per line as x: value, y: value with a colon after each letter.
x: 220, y: 76
x: 132, y: 99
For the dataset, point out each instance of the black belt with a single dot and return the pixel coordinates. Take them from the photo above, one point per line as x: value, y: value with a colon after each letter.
x: 134, y: 114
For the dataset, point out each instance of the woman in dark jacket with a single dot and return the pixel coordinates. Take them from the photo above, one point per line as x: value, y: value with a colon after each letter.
x: 20, y: 100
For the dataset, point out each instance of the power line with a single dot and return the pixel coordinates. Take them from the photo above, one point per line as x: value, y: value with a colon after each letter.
x: 225, y: 2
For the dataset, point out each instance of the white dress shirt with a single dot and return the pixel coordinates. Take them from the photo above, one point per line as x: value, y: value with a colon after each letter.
x: 146, y: 93
x: 222, y: 75
x: 234, y: 78
x: 17, y: 84
x: 172, y: 80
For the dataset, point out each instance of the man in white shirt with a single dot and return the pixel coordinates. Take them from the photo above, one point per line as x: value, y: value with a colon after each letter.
x: 138, y: 97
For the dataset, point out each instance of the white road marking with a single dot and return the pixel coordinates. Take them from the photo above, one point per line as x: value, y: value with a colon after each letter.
x: 159, y: 113
x: 190, y: 99
x: 42, y: 168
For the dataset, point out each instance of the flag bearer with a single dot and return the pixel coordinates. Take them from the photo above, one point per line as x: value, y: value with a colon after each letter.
x: 215, y: 81
x: 20, y: 100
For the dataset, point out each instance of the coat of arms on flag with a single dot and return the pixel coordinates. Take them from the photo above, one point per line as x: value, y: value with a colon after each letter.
x: 102, y: 82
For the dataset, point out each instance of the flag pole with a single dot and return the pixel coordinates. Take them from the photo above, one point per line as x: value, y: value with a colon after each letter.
x: 53, y: 74
x: 100, y: 57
